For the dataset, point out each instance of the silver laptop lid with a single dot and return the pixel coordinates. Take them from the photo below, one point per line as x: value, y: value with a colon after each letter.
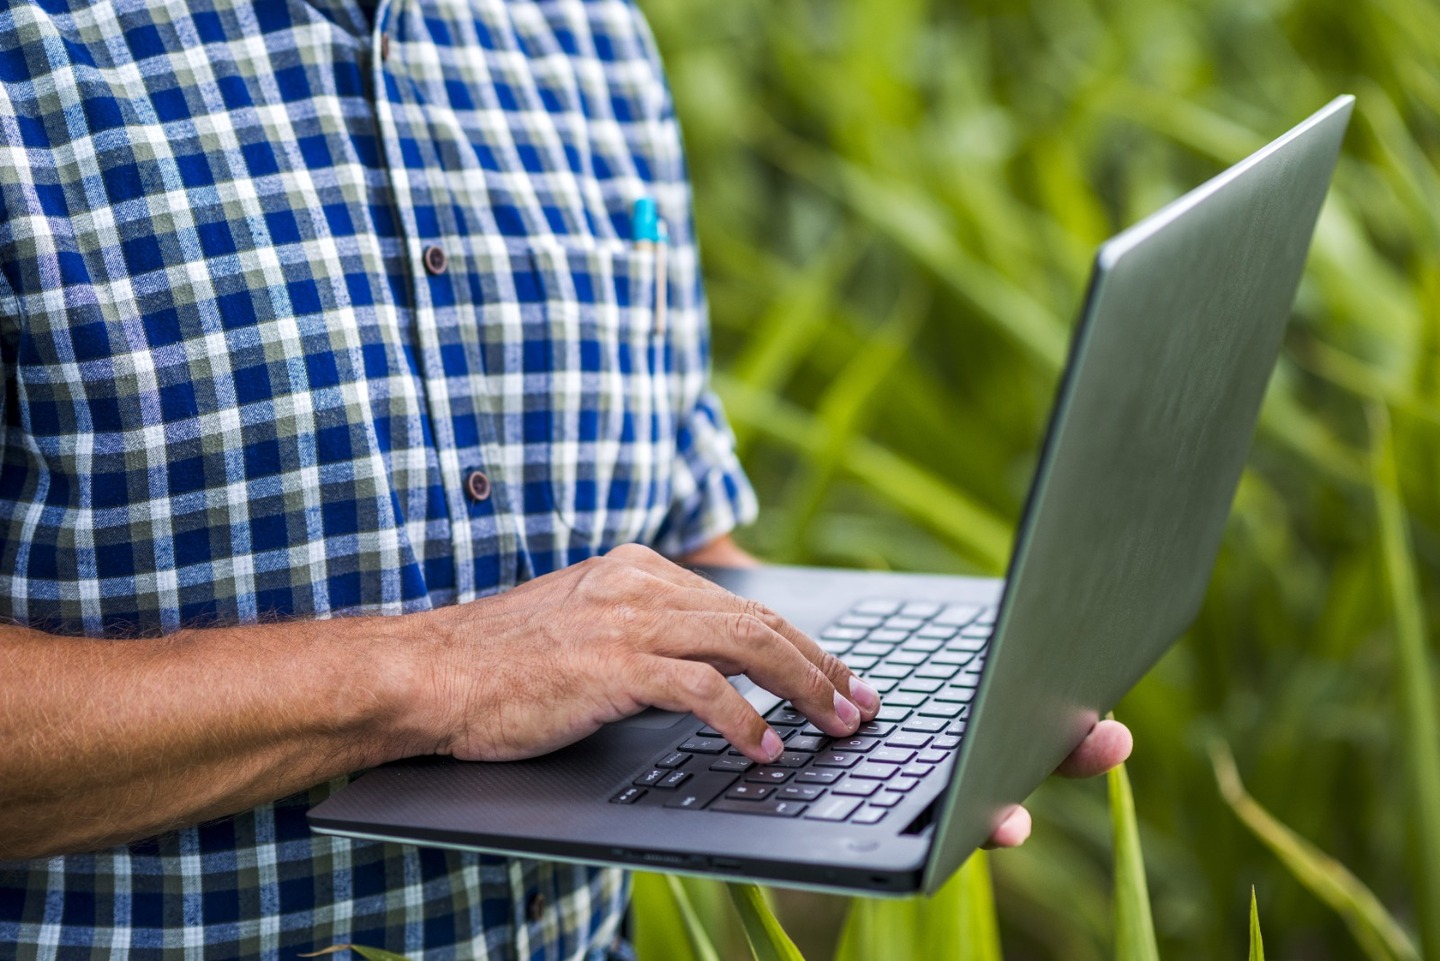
x: 1153, y: 420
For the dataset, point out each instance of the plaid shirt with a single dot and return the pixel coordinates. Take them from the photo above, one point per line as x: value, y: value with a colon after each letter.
x: 276, y: 280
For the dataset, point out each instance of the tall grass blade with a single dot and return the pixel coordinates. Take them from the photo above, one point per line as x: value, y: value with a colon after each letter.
x: 1257, y: 944
x: 973, y: 912
x: 1419, y: 718
x: 1134, y: 927
x: 958, y: 924
x: 667, y: 926
x: 1377, y: 932
x: 368, y: 953
x: 767, y: 939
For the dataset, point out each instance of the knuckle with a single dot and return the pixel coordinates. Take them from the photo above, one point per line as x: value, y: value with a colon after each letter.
x: 700, y: 683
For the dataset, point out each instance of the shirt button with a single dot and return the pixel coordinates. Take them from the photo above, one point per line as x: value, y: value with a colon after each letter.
x: 535, y: 909
x: 478, y: 485
x: 435, y: 260
x: 384, y: 46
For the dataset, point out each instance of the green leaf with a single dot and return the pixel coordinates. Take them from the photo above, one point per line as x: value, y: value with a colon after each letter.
x: 667, y: 926
x: 1134, y: 928
x: 1375, y: 930
x: 1419, y: 718
x: 767, y: 939
x: 694, y: 929
x: 1257, y: 944
x: 370, y: 954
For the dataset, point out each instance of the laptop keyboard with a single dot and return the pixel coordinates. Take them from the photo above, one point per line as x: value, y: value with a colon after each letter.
x: 924, y: 659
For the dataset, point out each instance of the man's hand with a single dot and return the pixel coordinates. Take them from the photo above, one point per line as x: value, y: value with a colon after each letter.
x: 539, y: 667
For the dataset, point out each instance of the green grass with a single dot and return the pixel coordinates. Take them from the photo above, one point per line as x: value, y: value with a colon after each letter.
x: 898, y: 201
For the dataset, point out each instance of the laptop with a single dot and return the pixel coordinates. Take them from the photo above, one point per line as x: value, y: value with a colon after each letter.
x: 986, y: 684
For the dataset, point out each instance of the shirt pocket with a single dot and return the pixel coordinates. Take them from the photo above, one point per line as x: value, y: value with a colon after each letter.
x: 607, y: 400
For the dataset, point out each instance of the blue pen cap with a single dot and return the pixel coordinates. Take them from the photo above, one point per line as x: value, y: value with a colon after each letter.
x: 645, y: 220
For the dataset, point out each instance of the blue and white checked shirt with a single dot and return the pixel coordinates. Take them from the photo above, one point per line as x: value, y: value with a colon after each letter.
x: 276, y: 279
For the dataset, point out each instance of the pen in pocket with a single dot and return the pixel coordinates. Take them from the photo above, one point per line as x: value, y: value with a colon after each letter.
x: 651, y: 238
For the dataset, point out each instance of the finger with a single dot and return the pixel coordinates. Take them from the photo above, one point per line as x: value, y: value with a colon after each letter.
x: 1106, y: 746
x: 697, y: 594
x: 742, y: 644
x: 1013, y: 831
x: 689, y: 686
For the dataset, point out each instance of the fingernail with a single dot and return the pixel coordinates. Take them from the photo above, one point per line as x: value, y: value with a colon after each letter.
x: 771, y: 744
x: 864, y: 695
x: 849, y: 714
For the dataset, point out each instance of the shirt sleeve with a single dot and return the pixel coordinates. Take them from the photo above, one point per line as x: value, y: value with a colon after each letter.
x: 711, y: 494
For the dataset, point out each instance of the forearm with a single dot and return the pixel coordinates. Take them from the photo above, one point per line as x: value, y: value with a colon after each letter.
x: 103, y: 742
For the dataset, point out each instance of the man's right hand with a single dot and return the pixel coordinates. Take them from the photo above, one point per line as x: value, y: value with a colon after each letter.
x: 529, y: 671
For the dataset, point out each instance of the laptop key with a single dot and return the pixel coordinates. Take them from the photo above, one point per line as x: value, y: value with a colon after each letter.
x: 860, y: 744
x: 892, y: 755
x: 801, y: 792
x: 885, y: 635
x: 856, y: 788
x: 791, y: 759
x: 916, y: 769
x: 807, y: 743
x: 957, y: 614
x: 769, y: 775
x: 907, y: 699
x: 902, y: 623
x: 942, y: 709
x: 927, y: 685
x: 833, y: 809
x: 888, y: 669
x: 835, y: 647
x: 628, y: 796
x: 913, y: 739
x: 952, y: 656
x: 896, y: 713
x: 946, y: 742
x: 871, y: 649
x: 882, y: 685
x: 750, y: 792
x: 870, y: 815
x: 673, y: 780
x: 933, y: 757
x: 650, y: 778
x: 879, y: 606
x: 887, y: 799
x: 924, y: 610
x: 818, y: 776
x: 929, y: 725
x: 843, y: 633
x: 874, y: 729
x: 941, y: 671
x: 736, y: 765
x: 672, y: 760
x: 903, y: 656
x: 700, y: 791
x: 925, y: 645
x: 705, y: 745
x: 866, y: 621
x: 837, y: 759
x: 940, y: 632
x: 774, y: 807
x: 872, y: 771
x: 785, y: 714
x: 902, y: 783
x: 862, y: 662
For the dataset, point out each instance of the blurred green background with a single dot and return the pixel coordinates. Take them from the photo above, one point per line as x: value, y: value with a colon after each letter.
x: 898, y: 201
